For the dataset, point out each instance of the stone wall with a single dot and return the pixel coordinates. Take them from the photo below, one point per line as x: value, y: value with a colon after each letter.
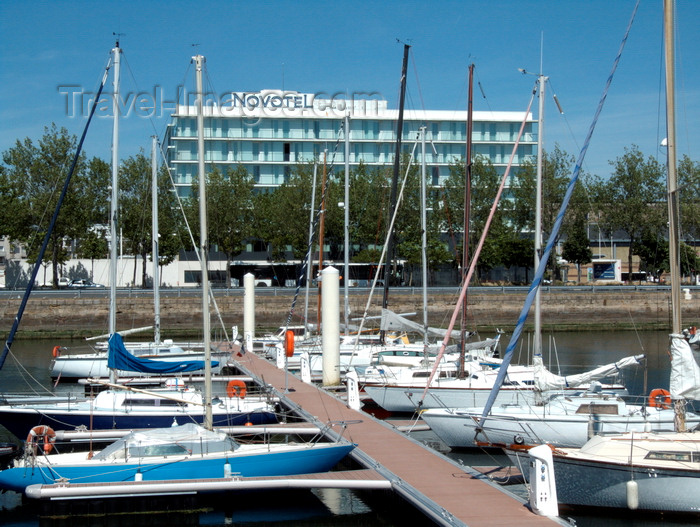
x: 50, y: 314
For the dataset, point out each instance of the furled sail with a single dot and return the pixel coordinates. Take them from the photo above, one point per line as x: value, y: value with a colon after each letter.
x: 685, y: 372
x: 119, y: 358
x: 394, y: 322
x: 546, y: 380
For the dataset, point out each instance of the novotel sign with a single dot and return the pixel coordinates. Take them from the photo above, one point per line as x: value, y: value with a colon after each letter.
x: 271, y: 100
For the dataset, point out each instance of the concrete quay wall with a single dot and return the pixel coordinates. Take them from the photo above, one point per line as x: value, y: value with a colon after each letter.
x: 49, y: 314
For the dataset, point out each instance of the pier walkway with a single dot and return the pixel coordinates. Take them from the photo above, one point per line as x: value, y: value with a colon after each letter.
x: 446, y: 492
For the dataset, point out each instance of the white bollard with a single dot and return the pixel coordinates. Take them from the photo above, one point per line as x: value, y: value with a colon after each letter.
x: 305, y: 367
x: 543, y: 489
x: 248, y: 311
x: 353, y: 388
x: 330, y: 317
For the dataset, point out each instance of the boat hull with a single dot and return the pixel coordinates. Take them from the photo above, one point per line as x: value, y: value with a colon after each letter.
x: 406, y: 399
x: 21, y: 422
x: 604, y: 485
x: 457, y: 428
x: 71, y: 367
x: 301, y: 460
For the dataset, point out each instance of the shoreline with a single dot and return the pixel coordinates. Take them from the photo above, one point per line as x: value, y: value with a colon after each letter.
x: 78, y: 315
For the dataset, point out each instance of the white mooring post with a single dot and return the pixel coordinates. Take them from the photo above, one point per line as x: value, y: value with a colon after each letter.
x: 248, y: 311
x: 543, y: 489
x: 330, y: 312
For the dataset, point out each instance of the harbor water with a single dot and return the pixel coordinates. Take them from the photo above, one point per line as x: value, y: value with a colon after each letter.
x: 27, y: 370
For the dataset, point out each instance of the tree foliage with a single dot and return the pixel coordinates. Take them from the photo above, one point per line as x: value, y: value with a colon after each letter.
x: 631, y: 201
x: 32, y: 181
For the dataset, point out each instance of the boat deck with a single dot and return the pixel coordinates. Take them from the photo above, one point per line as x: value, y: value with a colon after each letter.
x: 446, y: 492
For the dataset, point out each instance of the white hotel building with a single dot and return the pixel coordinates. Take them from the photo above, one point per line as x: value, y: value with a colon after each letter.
x: 269, y: 132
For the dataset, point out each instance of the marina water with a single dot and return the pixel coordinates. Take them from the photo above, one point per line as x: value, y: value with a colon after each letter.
x: 27, y: 371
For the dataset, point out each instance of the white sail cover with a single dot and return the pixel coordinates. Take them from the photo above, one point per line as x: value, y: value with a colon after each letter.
x: 393, y: 322
x: 546, y: 380
x: 685, y: 372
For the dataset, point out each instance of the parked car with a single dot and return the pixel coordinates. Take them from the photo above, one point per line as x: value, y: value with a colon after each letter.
x: 83, y: 284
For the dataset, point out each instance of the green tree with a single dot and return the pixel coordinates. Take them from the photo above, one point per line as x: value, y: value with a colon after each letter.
x: 230, y: 209
x: 485, y: 184
x: 689, y: 190
x: 653, y: 253
x: 557, y: 167
x: 93, y: 245
x: 283, y: 214
x: 135, y: 210
x: 369, y: 198
x: 631, y: 201
x: 33, y: 177
x: 173, y: 236
x: 576, y: 248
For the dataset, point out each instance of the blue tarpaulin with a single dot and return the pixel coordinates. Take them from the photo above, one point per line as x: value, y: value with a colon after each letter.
x: 120, y: 359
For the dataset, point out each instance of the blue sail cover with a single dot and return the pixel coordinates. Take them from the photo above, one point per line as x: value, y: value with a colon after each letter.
x: 120, y: 359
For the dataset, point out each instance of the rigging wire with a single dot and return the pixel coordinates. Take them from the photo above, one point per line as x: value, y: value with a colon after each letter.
x: 503, y: 370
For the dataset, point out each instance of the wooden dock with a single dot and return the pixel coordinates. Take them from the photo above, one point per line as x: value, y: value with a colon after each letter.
x: 446, y: 492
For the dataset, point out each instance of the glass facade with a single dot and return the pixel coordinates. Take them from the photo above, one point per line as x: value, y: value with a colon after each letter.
x: 269, y: 142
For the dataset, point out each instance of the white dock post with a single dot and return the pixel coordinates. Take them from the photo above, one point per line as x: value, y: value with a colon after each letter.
x: 543, y: 492
x: 330, y: 311
x: 248, y: 311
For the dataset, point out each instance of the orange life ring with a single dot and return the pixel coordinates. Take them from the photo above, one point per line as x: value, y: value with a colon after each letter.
x: 47, y: 435
x: 289, y: 343
x: 660, y: 398
x: 56, y: 352
x: 236, y: 388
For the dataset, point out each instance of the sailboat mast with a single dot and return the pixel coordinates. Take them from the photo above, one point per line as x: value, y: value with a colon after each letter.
x: 537, y: 344
x: 346, y: 223
x: 394, y: 182
x: 467, y: 211
x: 311, y: 262
x: 321, y: 230
x: 672, y: 183
x: 114, y: 204
x: 424, y: 241
x: 203, y: 243
x: 154, y: 235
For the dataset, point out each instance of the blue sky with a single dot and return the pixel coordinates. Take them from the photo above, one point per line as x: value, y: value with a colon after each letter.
x: 352, y: 47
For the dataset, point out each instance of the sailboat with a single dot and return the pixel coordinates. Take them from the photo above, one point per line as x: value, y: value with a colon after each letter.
x: 189, y: 451
x: 95, y: 364
x: 567, y: 420
x: 562, y: 420
x: 647, y: 471
x: 473, y: 387
x: 117, y: 408
x: 185, y: 452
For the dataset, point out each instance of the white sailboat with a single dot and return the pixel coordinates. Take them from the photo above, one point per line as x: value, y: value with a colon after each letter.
x: 648, y: 471
x: 68, y: 367
x: 83, y: 365
x: 115, y: 408
x: 162, y: 454
x: 563, y: 420
x: 474, y: 387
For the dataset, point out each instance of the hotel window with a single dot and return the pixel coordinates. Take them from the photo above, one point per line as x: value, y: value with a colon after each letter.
x: 287, y: 149
x: 256, y: 173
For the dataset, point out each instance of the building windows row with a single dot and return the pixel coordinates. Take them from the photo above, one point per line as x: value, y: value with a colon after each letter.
x: 360, y: 129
